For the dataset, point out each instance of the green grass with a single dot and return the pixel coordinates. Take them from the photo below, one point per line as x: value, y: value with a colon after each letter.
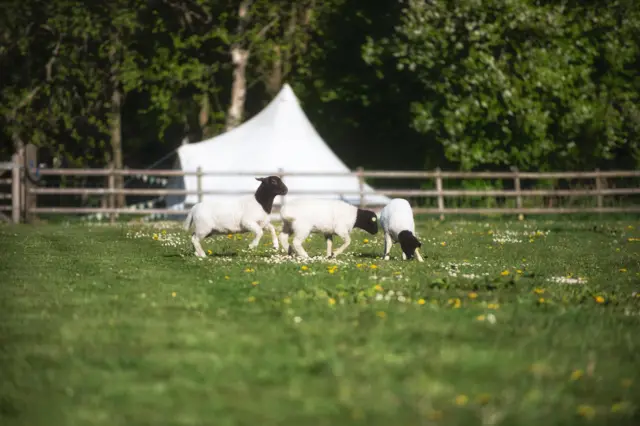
x: 106, y: 326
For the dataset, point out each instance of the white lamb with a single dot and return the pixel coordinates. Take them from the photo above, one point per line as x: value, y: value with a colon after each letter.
x: 396, y: 219
x: 248, y: 213
x: 329, y: 217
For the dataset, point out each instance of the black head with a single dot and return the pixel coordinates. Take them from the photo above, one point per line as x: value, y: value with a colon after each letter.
x: 367, y: 221
x: 270, y: 186
x: 274, y: 184
x: 408, y: 243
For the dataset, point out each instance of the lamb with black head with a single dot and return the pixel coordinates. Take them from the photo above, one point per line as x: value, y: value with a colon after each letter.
x: 396, y: 220
x: 329, y: 217
x: 247, y: 213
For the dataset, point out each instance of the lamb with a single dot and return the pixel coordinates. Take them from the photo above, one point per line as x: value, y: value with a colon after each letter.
x: 330, y: 217
x: 396, y: 219
x: 243, y: 214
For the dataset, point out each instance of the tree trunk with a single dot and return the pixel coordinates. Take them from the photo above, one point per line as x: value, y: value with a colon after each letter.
x: 115, y: 127
x: 274, y: 79
x: 115, y: 116
x: 239, y: 58
x: 203, y: 117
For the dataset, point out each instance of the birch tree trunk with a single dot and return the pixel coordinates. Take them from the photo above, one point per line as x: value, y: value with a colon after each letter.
x: 239, y: 58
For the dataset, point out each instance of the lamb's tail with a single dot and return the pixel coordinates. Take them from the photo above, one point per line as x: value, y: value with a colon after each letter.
x: 189, y: 220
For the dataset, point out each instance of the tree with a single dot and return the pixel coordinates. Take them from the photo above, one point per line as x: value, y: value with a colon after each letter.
x: 509, y: 82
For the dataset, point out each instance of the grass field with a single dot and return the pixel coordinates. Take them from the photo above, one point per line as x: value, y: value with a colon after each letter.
x: 511, y: 323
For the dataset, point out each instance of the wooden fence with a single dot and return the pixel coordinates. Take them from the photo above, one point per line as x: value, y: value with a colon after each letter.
x: 24, y: 192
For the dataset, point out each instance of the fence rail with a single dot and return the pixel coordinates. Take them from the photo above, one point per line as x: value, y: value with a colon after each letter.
x: 24, y: 193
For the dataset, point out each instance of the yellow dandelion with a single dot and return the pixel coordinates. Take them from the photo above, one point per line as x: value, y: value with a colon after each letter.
x: 483, y: 398
x: 173, y: 294
x: 618, y: 406
x: 373, y: 266
x: 366, y: 241
x: 421, y: 302
x: 378, y: 287
x: 359, y: 265
x: 576, y: 375
x: 255, y: 283
x: 332, y: 301
x: 209, y: 252
x: 251, y: 299
x: 490, y: 232
x: 226, y: 277
x: 381, y: 314
x: 538, y: 290
x: 444, y: 243
x: 541, y: 300
x: 599, y: 299
x: 480, y: 318
x: 462, y: 399
x: 164, y: 232
x: 630, y: 227
x: 304, y: 268
x: 155, y: 236
x: 531, y: 240
x: 230, y: 236
x: 455, y: 302
x: 519, y: 271
x: 587, y: 411
x: 493, y: 306
x: 472, y: 295
x: 249, y: 270
x: 623, y: 269
x: 504, y: 273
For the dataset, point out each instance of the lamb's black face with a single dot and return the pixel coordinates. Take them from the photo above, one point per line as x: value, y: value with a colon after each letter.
x: 367, y: 221
x: 408, y: 243
x: 274, y: 184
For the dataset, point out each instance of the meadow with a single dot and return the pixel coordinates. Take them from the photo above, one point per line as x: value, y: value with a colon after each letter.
x: 505, y: 323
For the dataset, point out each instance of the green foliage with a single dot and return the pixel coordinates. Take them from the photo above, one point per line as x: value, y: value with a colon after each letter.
x: 519, y: 83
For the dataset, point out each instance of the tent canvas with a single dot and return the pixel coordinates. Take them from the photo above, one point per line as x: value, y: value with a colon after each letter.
x: 279, y: 137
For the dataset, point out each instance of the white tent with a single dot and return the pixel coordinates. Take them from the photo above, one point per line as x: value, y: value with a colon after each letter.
x: 279, y: 137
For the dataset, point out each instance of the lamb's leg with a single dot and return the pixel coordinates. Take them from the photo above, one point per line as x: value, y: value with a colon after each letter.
x: 255, y: 228
x: 329, y: 239
x: 418, y: 256
x: 196, y: 245
x: 274, y: 237
x: 404, y: 256
x: 284, y: 236
x: 388, y: 243
x: 298, y: 238
x: 347, y: 240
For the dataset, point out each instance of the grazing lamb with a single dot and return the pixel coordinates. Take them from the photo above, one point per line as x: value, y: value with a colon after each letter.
x: 245, y: 213
x: 396, y: 219
x: 329, y: 217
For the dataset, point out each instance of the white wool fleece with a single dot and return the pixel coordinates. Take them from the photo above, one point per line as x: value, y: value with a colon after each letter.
x: 329, y: 217
x: 395, y: 217
x: 243, y: 214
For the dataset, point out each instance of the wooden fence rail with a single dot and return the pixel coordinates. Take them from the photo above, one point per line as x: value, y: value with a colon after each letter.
x: 24, y: 194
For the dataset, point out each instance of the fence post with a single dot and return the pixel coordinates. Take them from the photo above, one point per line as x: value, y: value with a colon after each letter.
x: 599, y: 199
x: 360, y: 172
x: 281, y: 176
x: 30, y: 160
x: 15, y: 188
x: 199, y: 182
x: 112, y: 196
x: 439, y: 191
x: 518, y: 190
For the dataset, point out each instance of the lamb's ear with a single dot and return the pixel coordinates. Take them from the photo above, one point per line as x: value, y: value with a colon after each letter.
x: 260, y: 179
